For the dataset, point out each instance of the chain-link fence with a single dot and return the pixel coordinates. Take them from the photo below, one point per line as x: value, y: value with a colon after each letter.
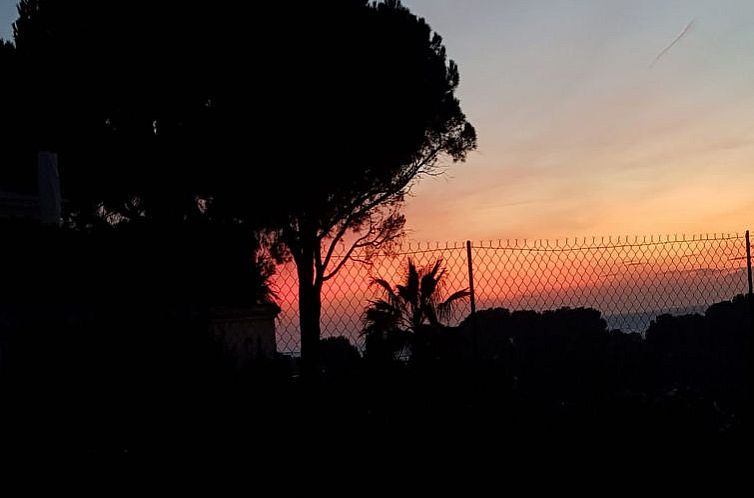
x: 630, y: 280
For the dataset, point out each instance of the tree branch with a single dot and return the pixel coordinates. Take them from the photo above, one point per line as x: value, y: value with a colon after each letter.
x: 362, y: 206
x: 354, y: 246
x: 380, y: 194
x: 380, y: 232
x: 319, y: 268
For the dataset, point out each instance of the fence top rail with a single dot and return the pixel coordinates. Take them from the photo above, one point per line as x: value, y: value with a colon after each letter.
x: 409, y: 248
x: 595, y: 243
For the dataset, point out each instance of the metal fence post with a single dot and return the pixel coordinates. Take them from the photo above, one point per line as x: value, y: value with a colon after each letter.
x: 471, y: 277
x: 749, y: 352
x: 748, y: 261
x: 472, y: 301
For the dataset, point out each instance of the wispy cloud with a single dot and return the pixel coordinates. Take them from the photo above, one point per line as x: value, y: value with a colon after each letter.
x: 674, y: 42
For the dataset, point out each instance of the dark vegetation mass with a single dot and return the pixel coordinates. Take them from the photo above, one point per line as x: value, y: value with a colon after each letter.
x: 119, y: 356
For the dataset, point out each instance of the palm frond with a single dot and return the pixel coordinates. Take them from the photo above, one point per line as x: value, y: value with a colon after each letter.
x: 412, y: 283
x: 435, y: 269
x: 428, y: 287
x: 405, y: 293
x: 381, y: 316
x: 431, y: 314
x: 381, y: 282
x: 430, y: 281
x: 385, y: 286
x: 445, y: 308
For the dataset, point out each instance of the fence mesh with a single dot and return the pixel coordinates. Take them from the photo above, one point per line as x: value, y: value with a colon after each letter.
x: 630, y: 280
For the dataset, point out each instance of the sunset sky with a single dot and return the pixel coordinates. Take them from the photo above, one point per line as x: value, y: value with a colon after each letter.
x: 581, y: 134
x: 581, y: 130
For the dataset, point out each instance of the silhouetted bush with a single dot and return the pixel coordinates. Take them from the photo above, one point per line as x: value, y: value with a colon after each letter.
x: 338, y: 356
x: 108, y: 330
x: 707, y: 352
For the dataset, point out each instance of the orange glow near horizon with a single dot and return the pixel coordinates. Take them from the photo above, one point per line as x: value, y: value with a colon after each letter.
x: 619, y: 277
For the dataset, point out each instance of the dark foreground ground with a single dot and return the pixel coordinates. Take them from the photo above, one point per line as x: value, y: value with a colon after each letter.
x: 399, y: 407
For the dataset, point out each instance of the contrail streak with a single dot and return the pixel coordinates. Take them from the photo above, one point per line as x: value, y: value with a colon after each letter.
x: 677, y: 39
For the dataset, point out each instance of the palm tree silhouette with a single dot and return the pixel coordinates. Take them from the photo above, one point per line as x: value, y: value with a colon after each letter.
x: 416, y: 303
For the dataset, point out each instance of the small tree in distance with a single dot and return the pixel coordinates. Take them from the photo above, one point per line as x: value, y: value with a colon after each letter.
x: 405, y: 309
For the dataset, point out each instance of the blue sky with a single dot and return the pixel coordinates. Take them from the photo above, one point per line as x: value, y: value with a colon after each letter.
x: 579, y: 132
x: 7, y: 16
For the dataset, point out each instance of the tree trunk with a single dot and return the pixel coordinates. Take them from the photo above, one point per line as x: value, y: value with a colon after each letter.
x: 310, y: 309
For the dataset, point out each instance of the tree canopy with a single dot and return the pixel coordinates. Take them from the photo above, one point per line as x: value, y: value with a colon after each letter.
x: 125, y: 96
x: 330, y: 104
x: 312, y: 119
